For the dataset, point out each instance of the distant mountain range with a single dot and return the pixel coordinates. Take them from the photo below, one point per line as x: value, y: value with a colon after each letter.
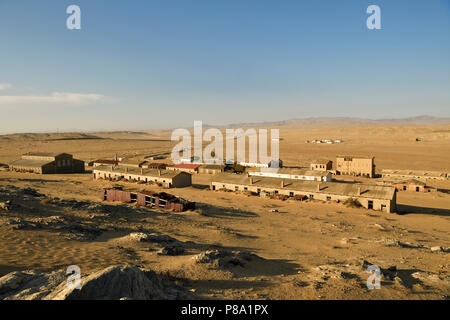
x: 418, y: 121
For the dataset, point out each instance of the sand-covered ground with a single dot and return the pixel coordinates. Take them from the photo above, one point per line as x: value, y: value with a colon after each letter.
x: 302, y: 250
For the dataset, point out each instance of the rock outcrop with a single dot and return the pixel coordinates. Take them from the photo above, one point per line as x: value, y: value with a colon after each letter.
x: 113, y: 283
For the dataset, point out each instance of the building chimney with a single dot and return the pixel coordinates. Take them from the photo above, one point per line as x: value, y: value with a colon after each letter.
x: 251, y: 180
x: 359, y: 191
x: 282, y: 184
x: 142, y: 171
x: 318, y: 186
x: 126, y: 169
x: 159, y: 172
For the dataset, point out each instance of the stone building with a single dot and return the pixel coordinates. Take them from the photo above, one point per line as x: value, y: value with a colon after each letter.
x: 185, y: 167
x: 321, y: 165
x: 358, y: 166
x: 413, y: 186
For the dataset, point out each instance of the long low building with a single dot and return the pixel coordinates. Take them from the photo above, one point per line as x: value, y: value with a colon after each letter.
x: 292, y: 173
x: 376, y: 197
x: 168, y: 179
x: 47, y: 163
x: 415, y: 174
x: 413, y: 186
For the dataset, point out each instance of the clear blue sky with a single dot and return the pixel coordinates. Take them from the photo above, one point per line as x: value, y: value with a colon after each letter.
x: 151, y: 64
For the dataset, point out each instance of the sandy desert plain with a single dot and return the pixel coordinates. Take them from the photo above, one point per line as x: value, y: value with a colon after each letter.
x: 304, y: 250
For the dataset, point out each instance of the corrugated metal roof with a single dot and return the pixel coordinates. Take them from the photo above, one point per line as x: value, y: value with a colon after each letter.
x: 30, y: 163
x: 43, y: 154
x: 140, y: 172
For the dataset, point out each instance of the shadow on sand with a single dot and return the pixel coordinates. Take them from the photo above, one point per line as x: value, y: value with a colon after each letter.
x: 407, y: 209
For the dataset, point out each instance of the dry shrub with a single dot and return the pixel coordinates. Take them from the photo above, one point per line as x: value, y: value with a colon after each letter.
x: 352, y: 203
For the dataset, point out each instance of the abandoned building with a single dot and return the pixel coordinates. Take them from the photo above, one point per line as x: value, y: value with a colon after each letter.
x: 211, y: 168
x: 167, y: 179
x: 321, y: 165
x: 357, y: 166
x: 47, y: 163
x: 376, y: 197
x: 105, y: 162
x: 260, y: 164
x: 413, y: 186
x: 148, y: 199
x: 291, y: 173
x: 133, y: 163
x: 185, y: 167
x: 415, y: 174
x: 154, y: 165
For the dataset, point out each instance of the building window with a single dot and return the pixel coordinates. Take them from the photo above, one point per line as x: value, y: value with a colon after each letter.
x: 311, y: 196
x: 291, y: 194
x: 328, y: 198
x: 236, y: 188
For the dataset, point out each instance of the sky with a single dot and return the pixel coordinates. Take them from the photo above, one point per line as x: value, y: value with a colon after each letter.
x: 149, y: 64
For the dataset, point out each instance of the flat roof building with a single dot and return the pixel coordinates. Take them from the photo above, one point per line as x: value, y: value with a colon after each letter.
x: 357, y: 166
x: 166, y: 178
x: 47, y: 163
x: 376, y: 197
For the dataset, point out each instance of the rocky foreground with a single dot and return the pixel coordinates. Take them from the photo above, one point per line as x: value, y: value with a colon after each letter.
x: 113, y: 283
